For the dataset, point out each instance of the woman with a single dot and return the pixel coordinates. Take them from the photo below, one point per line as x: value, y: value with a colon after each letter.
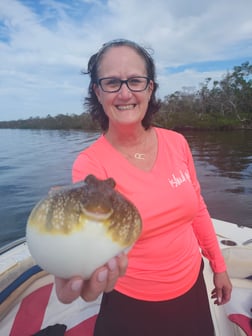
x: 159, y: 287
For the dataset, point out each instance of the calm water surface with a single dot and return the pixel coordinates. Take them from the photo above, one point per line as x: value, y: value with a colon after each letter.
x: 224, y: 165
x: 32, y: 161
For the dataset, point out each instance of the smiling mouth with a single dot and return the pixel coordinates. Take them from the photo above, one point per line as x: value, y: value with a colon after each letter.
x: 125, y: 107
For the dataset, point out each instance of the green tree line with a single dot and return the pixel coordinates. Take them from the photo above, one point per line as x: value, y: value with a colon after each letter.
x: 223, y: 104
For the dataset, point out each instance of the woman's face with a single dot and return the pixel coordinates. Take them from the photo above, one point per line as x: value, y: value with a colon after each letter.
x: 123, y: 107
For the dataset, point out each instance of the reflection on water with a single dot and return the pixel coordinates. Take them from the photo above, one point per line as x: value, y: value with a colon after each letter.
x: 224, y: 164
x: 32, y: 161
x: 230, y: 153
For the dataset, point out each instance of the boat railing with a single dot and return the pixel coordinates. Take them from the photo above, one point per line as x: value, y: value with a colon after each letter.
x: 11, y: 245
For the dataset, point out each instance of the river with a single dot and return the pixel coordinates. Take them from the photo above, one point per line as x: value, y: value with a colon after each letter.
x: 32, y: 161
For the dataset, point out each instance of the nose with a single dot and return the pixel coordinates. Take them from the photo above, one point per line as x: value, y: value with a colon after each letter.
x: 124, y: 91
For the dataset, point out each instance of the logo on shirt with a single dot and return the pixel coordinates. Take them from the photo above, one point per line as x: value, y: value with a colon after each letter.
x: 176, y: 180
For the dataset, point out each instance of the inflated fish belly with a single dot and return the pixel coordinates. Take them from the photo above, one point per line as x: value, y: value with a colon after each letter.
x: 76, y: 229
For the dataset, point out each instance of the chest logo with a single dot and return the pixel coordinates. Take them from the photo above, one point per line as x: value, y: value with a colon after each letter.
x: 178, y: 179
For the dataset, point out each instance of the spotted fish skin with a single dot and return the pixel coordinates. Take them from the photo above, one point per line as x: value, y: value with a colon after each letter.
x: 66, y: 210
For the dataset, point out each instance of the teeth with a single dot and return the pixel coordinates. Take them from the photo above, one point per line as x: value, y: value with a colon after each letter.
x: 125, y: 107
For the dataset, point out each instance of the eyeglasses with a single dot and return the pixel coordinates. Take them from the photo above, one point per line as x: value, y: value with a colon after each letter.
x: 134, y: 84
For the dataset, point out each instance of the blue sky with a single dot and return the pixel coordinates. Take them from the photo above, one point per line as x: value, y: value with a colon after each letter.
x: 44, y: 45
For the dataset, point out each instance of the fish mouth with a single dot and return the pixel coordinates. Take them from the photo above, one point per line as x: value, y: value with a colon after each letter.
x: 125, y: 107
x: 97, y: 213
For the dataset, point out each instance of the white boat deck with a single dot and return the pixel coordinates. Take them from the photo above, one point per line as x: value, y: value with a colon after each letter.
x: 232, y: 239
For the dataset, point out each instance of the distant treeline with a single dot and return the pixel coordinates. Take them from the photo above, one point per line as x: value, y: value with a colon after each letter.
x: 224, y: 104
x: 60, y: 121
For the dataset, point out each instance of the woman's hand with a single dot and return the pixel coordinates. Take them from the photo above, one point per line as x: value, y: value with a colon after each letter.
x: 223, y: 288
x: 102, y: 280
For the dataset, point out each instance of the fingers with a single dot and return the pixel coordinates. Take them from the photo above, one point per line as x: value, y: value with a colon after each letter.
x: 117, y: 268
x: 223, y: 288
x: 122, y: 263
x: 221, y: 296
x: 102, y: 280
x: 68, y: 290
x: 105, y: 278
x: 217, y: 296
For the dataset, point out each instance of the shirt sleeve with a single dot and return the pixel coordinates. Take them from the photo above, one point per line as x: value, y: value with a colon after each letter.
x: 203, y: 226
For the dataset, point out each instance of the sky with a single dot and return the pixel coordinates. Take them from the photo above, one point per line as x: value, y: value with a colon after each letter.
x: 45, y: 44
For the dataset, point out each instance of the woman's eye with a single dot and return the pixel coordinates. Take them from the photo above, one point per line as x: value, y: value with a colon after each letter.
x: 113, y: 82
x: 134, y: 81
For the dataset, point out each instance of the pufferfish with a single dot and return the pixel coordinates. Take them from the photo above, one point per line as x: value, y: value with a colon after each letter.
x: 78, y: 228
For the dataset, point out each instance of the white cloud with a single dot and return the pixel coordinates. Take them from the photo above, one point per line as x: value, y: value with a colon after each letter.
x: 46, y: 43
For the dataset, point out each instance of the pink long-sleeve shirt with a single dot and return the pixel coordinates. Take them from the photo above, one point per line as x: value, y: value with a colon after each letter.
x: 164, y: 263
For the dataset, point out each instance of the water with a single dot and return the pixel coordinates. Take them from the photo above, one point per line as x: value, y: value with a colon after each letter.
x: 224, y: 165
x: 32, y: 161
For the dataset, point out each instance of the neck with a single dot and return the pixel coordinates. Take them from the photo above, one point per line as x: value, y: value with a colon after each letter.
x: 127, y: 137
x: 134, y: 144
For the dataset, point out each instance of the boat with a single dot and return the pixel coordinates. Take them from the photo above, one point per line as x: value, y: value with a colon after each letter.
x: 29, y: 305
